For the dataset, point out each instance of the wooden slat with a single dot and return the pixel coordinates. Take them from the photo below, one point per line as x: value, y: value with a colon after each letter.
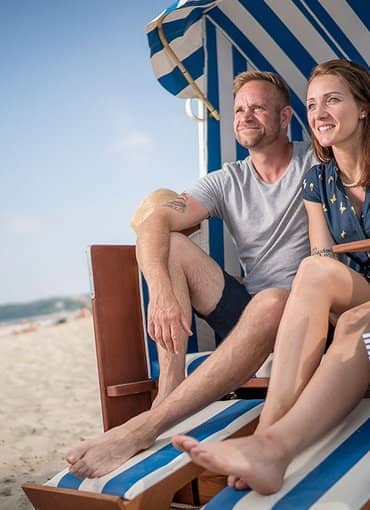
x: 119, y: 334
x: 121, y: 390
x: 51, y: 498
x: 363, y: 245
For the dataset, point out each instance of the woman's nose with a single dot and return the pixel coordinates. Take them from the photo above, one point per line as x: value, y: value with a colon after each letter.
x: 321, y: 111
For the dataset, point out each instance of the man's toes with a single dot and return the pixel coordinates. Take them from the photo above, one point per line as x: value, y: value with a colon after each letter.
x: 80, y: 469
x: 74, y: 455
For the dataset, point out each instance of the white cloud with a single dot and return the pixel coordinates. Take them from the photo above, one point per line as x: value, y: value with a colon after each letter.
x: 132, y: 142
x: 137, y: 139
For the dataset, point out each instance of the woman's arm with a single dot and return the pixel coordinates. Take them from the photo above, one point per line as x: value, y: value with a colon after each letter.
x: 321, y: 241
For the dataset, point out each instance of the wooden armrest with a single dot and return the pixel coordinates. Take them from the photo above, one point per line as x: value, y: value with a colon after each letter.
x: 256, y: 382
x: 122, y: 390
x: 363, y: 245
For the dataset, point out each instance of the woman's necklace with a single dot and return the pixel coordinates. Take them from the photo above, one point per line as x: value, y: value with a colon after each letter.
x: 355, y: 184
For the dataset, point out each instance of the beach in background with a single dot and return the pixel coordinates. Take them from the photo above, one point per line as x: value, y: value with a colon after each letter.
x: 50, y: 399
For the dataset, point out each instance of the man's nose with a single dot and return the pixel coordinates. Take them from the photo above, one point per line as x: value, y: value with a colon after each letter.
x: 248, y: 112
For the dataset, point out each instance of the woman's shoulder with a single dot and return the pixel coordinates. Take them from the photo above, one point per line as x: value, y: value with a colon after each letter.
x: 321, y: 172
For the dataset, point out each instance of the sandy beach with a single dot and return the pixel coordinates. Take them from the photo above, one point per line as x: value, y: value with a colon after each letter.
x: 50, y: 401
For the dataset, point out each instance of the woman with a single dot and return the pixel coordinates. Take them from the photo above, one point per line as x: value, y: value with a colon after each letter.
x: 306, y: 394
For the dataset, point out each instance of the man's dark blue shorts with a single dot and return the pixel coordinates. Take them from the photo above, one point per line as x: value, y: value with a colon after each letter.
x: 230, y: 307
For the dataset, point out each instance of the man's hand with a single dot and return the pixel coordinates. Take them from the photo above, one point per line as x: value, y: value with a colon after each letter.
x: 167, y: 322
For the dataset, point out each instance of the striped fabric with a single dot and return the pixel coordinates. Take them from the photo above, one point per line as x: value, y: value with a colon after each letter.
x: 333, y: 474
x: 366, y: 337
x: 214, y: 423
x: 215, y: 40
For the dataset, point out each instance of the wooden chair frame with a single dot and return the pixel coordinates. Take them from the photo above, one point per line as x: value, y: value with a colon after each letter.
x: 125, y: 386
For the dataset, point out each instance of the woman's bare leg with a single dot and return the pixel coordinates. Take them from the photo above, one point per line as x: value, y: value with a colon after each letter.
x: 322, y: 285
x: 260, y: 461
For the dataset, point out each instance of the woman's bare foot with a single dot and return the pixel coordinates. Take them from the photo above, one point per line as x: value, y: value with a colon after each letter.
x: 237, y: 482
x: 256, y: 461
x: 99, y: 456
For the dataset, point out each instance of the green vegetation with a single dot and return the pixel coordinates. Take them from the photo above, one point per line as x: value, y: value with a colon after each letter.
x: 16, y: 311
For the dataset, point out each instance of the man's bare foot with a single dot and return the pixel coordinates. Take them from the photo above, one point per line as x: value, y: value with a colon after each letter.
x: 256, y: 461
x: 99, y: 456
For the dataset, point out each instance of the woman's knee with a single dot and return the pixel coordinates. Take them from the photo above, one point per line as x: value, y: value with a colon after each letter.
x: 354, y: 320
x: 314, y: 272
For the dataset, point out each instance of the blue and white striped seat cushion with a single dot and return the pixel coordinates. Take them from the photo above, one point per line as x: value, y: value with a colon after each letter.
x: 194, y: 359
x: 366, y: 337
x: 215, y: 422
x: 333, y: 474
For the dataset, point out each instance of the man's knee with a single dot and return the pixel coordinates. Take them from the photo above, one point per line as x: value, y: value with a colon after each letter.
x: 268, y: 305
x: 272, y: 300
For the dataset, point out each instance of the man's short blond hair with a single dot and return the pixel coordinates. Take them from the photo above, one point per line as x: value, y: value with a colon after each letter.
x: 273, y: 78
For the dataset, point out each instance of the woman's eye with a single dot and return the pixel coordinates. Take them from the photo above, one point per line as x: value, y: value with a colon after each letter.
x: 333, y: 100
x: 310, y: 106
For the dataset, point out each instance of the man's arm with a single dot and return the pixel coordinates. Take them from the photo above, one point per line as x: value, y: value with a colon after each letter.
x: 165, y: 317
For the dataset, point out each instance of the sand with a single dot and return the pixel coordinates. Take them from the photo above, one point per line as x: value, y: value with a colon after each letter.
x: 49, y: 401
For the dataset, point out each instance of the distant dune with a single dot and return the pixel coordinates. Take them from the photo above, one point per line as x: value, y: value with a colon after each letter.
x: 13, y: 312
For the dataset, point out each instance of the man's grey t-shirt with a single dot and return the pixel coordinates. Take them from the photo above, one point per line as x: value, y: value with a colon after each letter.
x: 266, y: 221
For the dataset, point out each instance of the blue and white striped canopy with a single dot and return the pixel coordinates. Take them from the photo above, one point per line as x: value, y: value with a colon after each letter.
x: 214, y: 40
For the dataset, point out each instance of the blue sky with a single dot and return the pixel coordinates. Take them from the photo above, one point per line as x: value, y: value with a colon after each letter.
x: 86, y: 131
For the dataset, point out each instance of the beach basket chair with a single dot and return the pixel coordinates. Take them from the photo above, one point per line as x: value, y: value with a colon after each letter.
x: 197, y: 47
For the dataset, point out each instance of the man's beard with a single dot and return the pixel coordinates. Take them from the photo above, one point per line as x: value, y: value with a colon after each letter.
x: 252, y: 141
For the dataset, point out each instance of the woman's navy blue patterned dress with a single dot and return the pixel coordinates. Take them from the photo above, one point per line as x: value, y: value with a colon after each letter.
x: 323, y: 185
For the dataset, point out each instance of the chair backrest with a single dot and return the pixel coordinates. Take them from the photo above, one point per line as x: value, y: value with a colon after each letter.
x: 215, y: 40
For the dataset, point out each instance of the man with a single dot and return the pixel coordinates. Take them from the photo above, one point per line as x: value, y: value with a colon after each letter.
x: 260, y: 201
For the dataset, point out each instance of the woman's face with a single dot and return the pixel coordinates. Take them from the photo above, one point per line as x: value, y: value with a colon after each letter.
x: 334, y: 116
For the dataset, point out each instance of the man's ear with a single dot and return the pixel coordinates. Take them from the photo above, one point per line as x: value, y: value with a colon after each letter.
x: 286, y: 114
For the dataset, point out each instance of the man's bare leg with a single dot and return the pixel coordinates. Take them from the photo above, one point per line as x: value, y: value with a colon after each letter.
x: 196, y: 279
x: 260, y: 461
x: 233, y: 362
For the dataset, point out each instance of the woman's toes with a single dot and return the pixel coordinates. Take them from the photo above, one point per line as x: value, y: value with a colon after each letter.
x: 241, y: 484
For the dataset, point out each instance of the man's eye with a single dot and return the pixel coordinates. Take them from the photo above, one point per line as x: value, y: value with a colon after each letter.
x: 310, y: 106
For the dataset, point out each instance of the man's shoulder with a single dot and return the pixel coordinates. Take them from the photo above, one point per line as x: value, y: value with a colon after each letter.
x: 303, y: 148
x: 303, y: 155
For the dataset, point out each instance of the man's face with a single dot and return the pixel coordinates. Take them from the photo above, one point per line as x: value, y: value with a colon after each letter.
x: 257, y: 114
